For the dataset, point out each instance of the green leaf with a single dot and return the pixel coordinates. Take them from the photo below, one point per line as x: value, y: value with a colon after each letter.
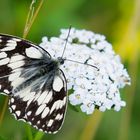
x: 73, y: 108
x: 2, y: 138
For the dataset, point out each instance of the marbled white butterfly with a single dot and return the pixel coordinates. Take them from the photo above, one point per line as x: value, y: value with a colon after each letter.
x: 35, y: 85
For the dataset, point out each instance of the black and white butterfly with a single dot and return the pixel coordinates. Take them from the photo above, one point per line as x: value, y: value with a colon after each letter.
x: 33, y: 81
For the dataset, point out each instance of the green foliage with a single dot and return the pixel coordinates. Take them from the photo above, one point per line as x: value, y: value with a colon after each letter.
x: 119, y: 20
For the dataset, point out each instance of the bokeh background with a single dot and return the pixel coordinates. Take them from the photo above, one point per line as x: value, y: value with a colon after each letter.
x: 119, y: 21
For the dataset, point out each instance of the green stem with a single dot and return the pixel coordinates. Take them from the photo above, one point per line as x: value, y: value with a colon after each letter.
x: 92, y: 126
x: 3, y: 110
x: 31, y: 17
x: 39, y: 136
x: 29, y: 132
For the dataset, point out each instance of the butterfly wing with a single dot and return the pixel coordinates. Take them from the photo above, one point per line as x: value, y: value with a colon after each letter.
x: 16, y: 58
x: 44, y: 109
x: 31, y: 100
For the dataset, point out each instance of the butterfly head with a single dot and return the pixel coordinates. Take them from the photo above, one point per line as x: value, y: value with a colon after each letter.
x: 61, y: 60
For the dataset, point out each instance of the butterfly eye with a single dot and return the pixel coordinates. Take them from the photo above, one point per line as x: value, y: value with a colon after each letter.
x: 61, y: 60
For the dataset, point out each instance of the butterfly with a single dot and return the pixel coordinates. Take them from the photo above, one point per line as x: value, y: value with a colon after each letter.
x: 35, y: 84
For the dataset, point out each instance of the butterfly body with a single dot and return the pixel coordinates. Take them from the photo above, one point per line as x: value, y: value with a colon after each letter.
x: 48, y: 70
x: 33, y: 81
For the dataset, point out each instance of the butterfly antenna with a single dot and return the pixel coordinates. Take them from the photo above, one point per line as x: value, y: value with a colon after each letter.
x: 82, y: 63
x: 66, y: 42
x: 74, y: 60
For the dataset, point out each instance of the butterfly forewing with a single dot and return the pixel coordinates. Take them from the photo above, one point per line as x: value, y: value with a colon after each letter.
x: 37, y: 97
x: 16, y: 55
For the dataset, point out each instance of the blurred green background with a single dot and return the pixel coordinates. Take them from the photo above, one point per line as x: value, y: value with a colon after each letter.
x: 119, y: 21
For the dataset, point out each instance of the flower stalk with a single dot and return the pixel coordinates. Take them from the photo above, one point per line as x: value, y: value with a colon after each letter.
x: 92, y: 125
x: 32, y: 14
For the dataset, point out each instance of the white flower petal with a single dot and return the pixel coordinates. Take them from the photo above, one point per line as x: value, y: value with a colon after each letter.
x: 92, y: 87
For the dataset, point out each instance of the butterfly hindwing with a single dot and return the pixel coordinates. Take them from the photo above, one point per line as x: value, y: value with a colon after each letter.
x: 45, y: 109
x: 16, y: 57
x: 17, y: 107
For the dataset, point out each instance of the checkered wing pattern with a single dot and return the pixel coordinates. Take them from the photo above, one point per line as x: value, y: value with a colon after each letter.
x: 37, y: 97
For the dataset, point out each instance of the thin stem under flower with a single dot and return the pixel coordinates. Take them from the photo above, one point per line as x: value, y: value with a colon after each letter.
x: 91, y: 126
x: 31, y: 17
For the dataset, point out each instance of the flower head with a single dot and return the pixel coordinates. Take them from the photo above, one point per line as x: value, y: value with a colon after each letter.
x: 97, y: 81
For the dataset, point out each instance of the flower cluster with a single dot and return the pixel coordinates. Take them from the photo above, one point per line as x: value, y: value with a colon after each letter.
x: 97, y: 75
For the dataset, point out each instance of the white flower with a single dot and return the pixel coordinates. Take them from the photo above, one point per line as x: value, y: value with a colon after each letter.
x: 78, y: 97
x: 97, y: 81
x: 87, y: 107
